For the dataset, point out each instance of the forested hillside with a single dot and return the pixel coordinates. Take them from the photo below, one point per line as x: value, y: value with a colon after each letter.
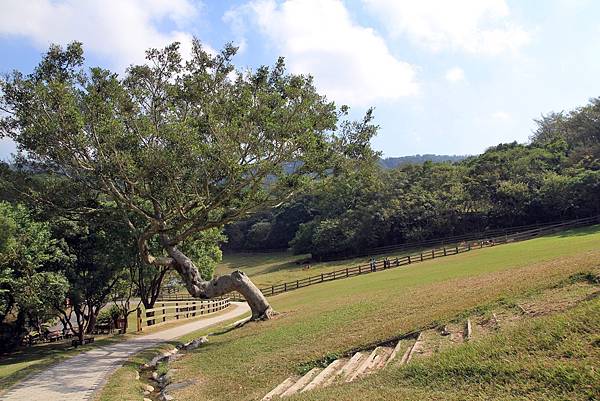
x: 393, y: 162
x: 555, y: 176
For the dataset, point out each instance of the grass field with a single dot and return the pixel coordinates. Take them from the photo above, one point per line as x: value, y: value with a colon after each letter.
x: 336, y: 317
x: 267, y: 269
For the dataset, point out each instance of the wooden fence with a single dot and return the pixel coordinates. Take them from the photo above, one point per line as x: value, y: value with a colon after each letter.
x: 170, y: 310
x: 439, y: 242
x: 233, y: 296
x: 446, y: 250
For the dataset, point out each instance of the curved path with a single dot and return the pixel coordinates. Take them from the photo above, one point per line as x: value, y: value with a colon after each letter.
x: 76, y: 378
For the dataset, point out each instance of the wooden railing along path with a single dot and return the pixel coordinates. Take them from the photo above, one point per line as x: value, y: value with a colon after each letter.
x: 168, y: 311
x: 446, y: 250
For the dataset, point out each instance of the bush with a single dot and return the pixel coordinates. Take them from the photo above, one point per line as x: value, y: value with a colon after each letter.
x: 109, y: 315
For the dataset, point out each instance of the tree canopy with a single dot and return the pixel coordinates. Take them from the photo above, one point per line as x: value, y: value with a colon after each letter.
x: 180, y: 146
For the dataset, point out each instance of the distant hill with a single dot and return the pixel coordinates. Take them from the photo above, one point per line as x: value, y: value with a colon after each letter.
x: 393, y: 162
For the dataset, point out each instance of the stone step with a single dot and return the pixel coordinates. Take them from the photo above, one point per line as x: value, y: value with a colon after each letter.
x: 351, y: 365
x: 367, y: 364
x: 281, y: 388
x: 407, y: 353
x: 384, y: 355
x: 325, y: 374
x: 336, y: 373
x: 468, y: 330
x: 399, y: 346
x: 301, y: 383
x: 415, y: 348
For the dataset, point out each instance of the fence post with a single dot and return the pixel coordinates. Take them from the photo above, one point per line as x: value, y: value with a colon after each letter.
x: 469, y: 245
x: 359, y: 269
x: 346, y: 272
x: 164, y: 311
x: 409, y: 262
x: 176, y: 311
x: 321, y: 277
x: 456, y: 248
x: 272, y: 290
x: 284, y: 287
x: 433, y: 254
x: 421, y: 256
x: 444, y: 251
x: 297, y: 284
x: 139, y: 319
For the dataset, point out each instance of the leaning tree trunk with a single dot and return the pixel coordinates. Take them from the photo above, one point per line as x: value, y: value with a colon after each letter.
x: 236, y: 281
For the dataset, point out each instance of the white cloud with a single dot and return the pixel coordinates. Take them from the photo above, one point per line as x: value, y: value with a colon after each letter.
x: 351, y: 63
x: 501, y: 116
x: 118, y: 30
x: 455, y: 74
x: 472, y: 26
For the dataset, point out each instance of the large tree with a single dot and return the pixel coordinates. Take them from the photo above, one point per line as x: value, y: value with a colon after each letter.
x: 180, y: 146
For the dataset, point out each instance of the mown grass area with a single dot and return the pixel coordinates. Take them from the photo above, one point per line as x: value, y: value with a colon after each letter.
x: 337, y: 317
x: 268, y: 269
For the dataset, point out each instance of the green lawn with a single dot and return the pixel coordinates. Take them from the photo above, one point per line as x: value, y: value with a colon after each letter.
x: 268, y: 269
x: 337, y: 317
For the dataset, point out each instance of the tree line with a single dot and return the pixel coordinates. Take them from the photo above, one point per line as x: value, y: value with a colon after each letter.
x: 553, y: 177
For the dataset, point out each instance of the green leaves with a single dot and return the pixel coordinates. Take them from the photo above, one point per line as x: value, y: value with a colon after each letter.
x: 27, y: 250
x: 184, y: 145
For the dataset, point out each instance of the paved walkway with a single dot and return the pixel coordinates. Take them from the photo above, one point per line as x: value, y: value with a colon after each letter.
x: 76, y: 378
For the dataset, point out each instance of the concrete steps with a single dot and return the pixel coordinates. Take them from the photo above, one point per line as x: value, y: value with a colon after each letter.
x: 329, y: 372
x: 301, y: 383
x: 280, y: 389
x: 361, y: 364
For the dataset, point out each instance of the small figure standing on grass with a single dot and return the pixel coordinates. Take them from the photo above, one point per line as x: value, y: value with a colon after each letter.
x: 373, y: 264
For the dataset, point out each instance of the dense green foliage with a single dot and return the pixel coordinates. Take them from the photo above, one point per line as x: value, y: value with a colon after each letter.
x: 28, y: 288
x: 178, y: 147
x: 556, y: 176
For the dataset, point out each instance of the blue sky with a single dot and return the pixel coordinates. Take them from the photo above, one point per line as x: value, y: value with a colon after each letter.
x: 446, y: 77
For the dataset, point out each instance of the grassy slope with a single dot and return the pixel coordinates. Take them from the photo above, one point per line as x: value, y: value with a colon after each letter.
x: 551, y: 358
x: 347, y: 314
x: 267, y: 269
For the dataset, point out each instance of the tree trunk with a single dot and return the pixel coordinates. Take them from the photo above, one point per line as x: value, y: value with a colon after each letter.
x: 236, y: 281
x: 80, y: 326
x: 93, y: 317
